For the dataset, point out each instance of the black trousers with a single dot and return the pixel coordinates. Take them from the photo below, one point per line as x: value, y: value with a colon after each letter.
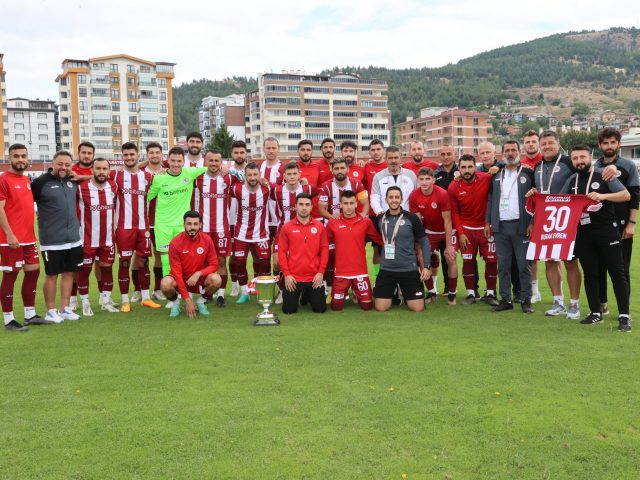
x: 627, y: 249
x: 600, y: 246
x: 315, y: 297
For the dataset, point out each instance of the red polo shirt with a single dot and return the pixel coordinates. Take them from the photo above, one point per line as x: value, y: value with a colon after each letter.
x: 303, y: 250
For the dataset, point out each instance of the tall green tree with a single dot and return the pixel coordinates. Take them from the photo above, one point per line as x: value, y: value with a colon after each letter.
x: 572, y: 138
x: 222, y: 140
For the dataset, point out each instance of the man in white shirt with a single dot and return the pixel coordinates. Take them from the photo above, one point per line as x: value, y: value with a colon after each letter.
x: 393, y: 176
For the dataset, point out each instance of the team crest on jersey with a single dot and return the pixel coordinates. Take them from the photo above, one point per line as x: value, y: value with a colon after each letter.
x: 434, y: 205
x: 147, y: 234
x: 314, y: 230
x: 618, y: 173
x: 556, y: 169
x: 490, y: 239
x: 28, y: 186
x: 595, y: 185
x: 356, y: 174
x: 402, y: 222
x: 69, y: 184
x: 523, y: 179
x: 456, y: 174
x: 220, y: 235
x: 200, y: 250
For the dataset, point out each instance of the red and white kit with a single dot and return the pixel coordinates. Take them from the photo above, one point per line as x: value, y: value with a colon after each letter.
x: 97, y: 207
x: 555, y: 224
x: 286, y: 204
x: 211, y: 200
x: 132, y: 233
x: 273, y: 174
x: 330, y: 194
x: 430, y: 208
x: 15, y: 191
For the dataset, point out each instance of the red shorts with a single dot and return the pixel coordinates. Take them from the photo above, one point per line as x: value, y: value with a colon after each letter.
x: 222, y: 243
x: 103, y: 254
x: 152, y: 236
x: 259, y: 250
x: 197, y: 288
x: 133, y: 241
x: 477, y: 243
x: 12, y: 259
x: 361, y: 287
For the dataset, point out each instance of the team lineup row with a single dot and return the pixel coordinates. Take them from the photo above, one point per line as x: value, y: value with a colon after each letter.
x: 312, y: 219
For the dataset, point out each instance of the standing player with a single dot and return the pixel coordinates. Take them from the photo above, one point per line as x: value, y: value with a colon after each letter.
x: 237, y: 166
x: 132, y: 230
x: 531, y: 147
x: 393, y: 176
x: 18, y: 250
x: 97, y: 202
x: 431, y: 204
x: 376, y: 164
x: 348, y: 234
x: 173, y: 191
x: 271, y: 170
x: 211, y: 195
x: 348, y: 151
x: 251, y: 234
x: 328, y: 150
x: 418, y: 162
x: 154, y: 167
x: 194, y: 156
x: 468, y: 210
x: 193, y: 262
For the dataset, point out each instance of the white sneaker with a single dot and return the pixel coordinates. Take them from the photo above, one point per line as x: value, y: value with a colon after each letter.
x: 54, y: 317
x: 73, y: 303
x: 573, y: 312
x: 158, y: 295
x: 68, y: 314
x: 136, y: 297
x: 555, y: 310
x: 86, y: 309
x: 235, y: 289
x: 279, y: 298
x: 536, y: 297
x: 109, y: 306
x: 169, y: 304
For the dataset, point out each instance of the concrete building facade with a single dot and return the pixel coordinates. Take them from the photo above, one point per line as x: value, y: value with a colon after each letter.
x: 463, y: 129
x: 33, y: 123
x: 217, y: 111
x: 294, y: 106
x: 115, y: 99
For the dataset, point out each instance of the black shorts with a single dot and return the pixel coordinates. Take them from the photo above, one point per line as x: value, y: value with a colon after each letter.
x: 61, y: 261
x: 409, y: 282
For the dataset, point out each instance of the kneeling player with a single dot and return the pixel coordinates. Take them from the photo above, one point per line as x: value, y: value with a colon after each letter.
x: 348, y: 233
x: 193, y: 264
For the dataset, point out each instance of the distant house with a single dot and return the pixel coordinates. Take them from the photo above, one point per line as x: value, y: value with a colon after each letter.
x: 608, y: 117
x: 630, y: 144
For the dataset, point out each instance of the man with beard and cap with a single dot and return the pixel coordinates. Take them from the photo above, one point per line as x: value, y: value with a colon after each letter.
x: 328, y: 150
x: 598, y: 241
x: 416, y: 150
x: 96, y: 205
x: 348, y: 151
x: 18, y: 250
x: 193, y: 265
x: 508, y: 221
x: 609, y: 143
x: 59, y: 230
x: 194, y: 157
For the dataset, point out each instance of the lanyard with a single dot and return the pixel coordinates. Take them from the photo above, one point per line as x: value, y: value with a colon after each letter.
x: 586, y: 190
x: 553, y: 172
x: 515, y: 179
x: 395, y: 230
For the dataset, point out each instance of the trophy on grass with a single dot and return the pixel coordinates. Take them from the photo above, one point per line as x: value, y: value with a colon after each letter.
x: 265, y: 290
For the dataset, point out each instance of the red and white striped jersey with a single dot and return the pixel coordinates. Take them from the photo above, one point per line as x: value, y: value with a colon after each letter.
x: 131, y: 211
x: 233, y: 203
x: 211, y: 200
x: 555, y: 224
x: 330, y: 194
x: 286, y: 200
x: 273, y: 173
x: 152, y: 204
x: 251, y: 220
x: 97, y: 207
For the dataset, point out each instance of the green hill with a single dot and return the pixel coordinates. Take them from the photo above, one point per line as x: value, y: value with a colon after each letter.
x: 604, y: 60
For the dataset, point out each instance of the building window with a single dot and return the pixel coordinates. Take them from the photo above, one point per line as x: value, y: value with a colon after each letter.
x: 115, y: 80
x: 115, y: 106
x: 316, y: 113
x: 475, y: 132
x: 18, y: 115
x: 476, y: 121
x: 315, y: 89
x: 115, y: 119
x: 42, y: 116
x: 43, y: 138
x: 162, y: 82
x: 345, y: 103
x: 82, y: 79
x: 459, y: 131
x: 316, y: 124
x: 344, y: 91
x: 163, y: 96
x: 133, y: 120
x: 316, y: 101
x: 131, y: 94
x: 133, y: 107
x: 63, y: 94
x: 163, y: 120
x: 82, y: 92
x: 131, y: 69
x: 44, y: 148
x: 84, y: 118
x: 131, y: 81
x: 18, y: 126
x: 163, y: 108
x: 115, y: 93
x: 44, y: 157
x: 19, y: 137
x: 459, y: 120
x: 113, y: 67
x: 63, y: 82
x: 116, y: 132
x: 164, y: 133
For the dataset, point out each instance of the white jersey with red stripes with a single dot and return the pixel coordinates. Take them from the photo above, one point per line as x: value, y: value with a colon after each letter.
x: 211, y: 195
x: 273, y: 174
x: 233, y: 203
x: 330, y: 193
x: 97, y: 206
x: 131, y: 212
x: 251, y: 220
x: 152, y: 203
x: 286, y: 201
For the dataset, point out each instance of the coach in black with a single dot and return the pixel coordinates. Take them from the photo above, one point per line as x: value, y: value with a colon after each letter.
x: 400, y: 231
x: 609, y: 143
x: 508, y: 220
x: 598, y: 236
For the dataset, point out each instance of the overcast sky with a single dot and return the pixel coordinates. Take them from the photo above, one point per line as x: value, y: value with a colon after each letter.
x: 218, y: 39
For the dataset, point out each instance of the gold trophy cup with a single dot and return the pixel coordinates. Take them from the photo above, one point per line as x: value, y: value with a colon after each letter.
x: 265, y: 287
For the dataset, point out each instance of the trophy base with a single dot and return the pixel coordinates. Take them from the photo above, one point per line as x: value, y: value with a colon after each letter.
x: 266, y: 320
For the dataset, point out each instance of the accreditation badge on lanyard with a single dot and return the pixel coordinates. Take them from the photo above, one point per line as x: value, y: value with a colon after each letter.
x: 585, y: 219
x: 390, y: 244
x: 505, y: 194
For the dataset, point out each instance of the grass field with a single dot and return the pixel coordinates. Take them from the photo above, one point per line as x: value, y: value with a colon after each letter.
x: 452, y: 393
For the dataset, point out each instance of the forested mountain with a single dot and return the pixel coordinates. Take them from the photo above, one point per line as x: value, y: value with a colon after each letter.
x: 607, y: 59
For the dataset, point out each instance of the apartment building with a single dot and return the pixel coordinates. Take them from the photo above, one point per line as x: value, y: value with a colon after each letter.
x: 4, y: 129
x: 115, y: 99
x: 438, y: 126
x: 294, y: 106
x: 217, y: 111
x: 33, y: 123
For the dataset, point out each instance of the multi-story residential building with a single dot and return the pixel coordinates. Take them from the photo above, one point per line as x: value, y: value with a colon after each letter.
x: 437, y: 127
x: 217, y: 111
x: 294, y: 106
x: 4, y: 130
x: 115, y: 99
x: 33, y: 123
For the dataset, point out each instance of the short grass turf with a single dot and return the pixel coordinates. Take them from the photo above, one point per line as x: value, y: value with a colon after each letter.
x: 451, y: 393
